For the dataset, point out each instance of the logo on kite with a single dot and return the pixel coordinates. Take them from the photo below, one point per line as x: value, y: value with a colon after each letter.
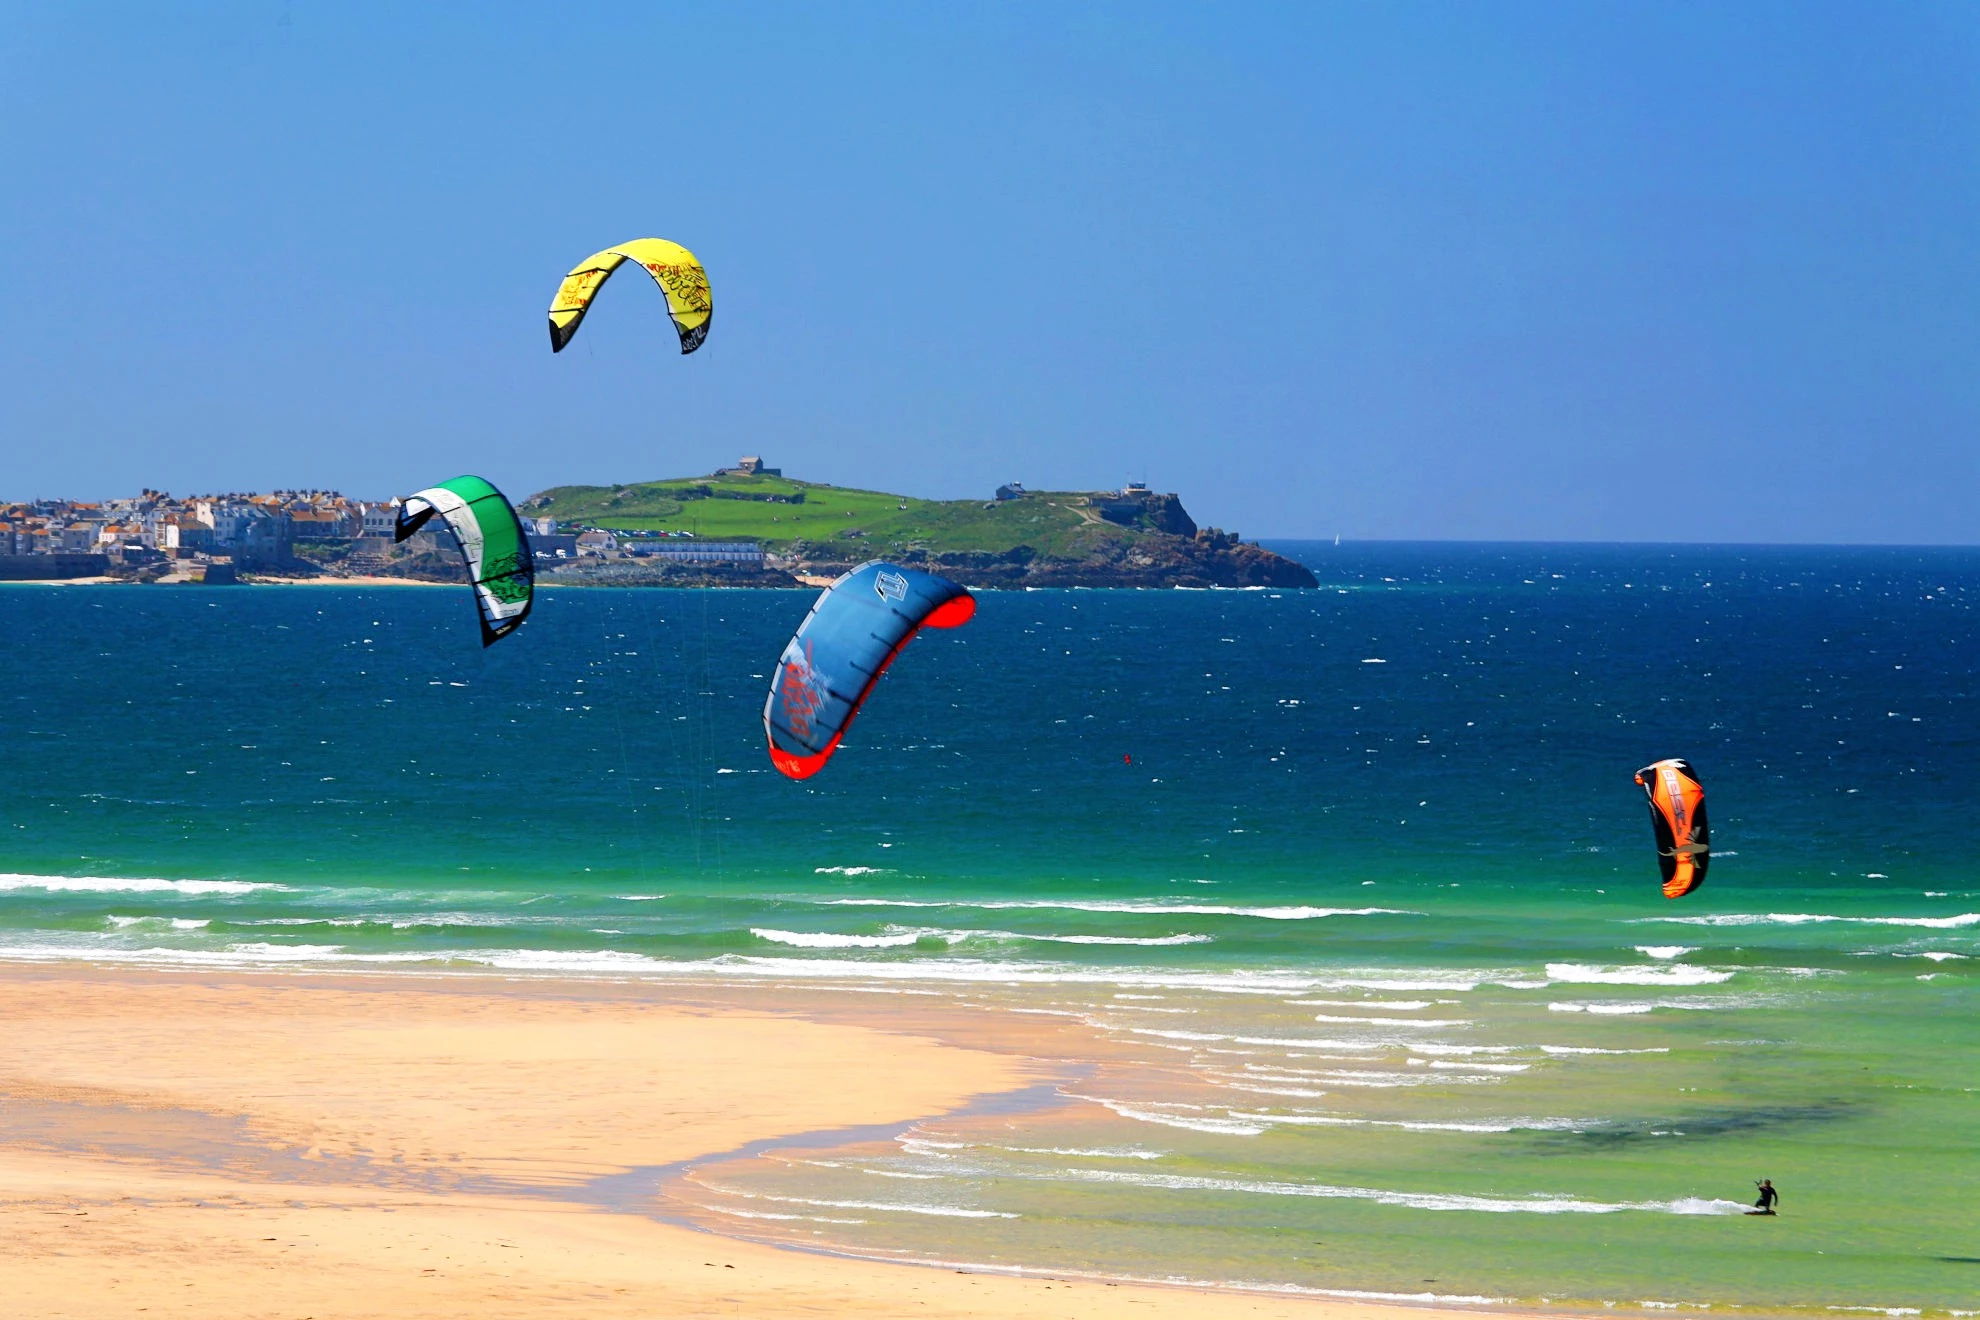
x: 802, y: 691
x: 891, y: 586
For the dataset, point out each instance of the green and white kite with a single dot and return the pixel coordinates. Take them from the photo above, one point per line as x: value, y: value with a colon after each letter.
x: 491, y: 540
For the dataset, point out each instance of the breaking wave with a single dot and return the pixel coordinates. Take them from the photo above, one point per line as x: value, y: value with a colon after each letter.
x: 1676, y: 974
x: 1817, y: 918
x: 1151, y: 908
x: 107, y: 884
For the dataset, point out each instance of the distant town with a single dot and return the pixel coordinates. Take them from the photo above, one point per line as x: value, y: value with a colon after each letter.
x: 155, y: 536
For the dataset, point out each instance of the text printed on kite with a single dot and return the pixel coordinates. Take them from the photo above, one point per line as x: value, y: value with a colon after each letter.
x: 1677, y: 819
x: 853, y: 632
x: 675, y: 269
x: 492, y: 542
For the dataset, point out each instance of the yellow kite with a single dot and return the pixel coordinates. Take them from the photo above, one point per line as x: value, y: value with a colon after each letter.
x: 672, y: 267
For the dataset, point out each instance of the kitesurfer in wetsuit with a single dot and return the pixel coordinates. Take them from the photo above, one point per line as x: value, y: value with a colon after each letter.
x: 1768, y: 1197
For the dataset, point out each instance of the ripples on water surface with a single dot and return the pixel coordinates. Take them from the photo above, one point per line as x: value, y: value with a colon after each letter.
x: 1377, y: 988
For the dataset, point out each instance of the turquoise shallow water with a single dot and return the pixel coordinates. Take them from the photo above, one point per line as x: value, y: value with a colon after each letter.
x: 1353, y: 884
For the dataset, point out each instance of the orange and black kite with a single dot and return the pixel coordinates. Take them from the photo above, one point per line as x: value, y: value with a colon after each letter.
x: 1677, y: 816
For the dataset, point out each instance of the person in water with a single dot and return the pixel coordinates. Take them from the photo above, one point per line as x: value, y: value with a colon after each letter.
x: 1768, y: 1197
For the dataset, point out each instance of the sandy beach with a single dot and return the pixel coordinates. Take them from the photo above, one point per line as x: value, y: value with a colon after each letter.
x: 313, y: 1147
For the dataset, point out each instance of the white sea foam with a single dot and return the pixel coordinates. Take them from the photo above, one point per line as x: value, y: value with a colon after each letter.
x: 558, y: 960
x: 826, y: 940
x: 1352, y: 1076
x: 790, y: 967
x: 1395, y: 1022
x: 943, y: 1211
x: 1103, y: 1153
x: 1283, y: 1072
x: 300, y: 921
x: 105, y: 884
x: 850, y: 870
x: 1427, y: 1047
x: 1375, y: 1079
x: 1675, y: 974
x: 1151, y: 907
x: 1144, y: 1114
x: 1596, y: 1049
x: 1682, y: 1003
x: 1474, y: 1125
x: 1665, y: 950
x: 268, y: 953
x: 1142, y: 941
x: 914, y: 1145
x: 1380, y: 1005
x: 1481, y: 1067
x: 1538, y: 1204
x: 159, y: 923
x: 1297, y: 1042
x: 1151, y: 942
x: 1815, y: 918
x: 233, y: 956
x: 765, y: 1214
x: 1612, y: 1009
x: 1294, y: 1092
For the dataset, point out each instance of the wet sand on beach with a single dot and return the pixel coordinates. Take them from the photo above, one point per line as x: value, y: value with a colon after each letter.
x: 240, y: 1145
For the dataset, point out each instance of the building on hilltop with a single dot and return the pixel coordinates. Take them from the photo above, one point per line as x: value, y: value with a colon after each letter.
x: 749, y: 466
x: 1011, y: 490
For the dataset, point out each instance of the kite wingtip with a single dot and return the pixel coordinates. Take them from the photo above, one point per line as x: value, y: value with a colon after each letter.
x: 798, y: 767
x: 953, y: 613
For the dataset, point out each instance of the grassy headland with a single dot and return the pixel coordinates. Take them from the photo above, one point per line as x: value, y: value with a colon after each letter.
x: 1056, y: 538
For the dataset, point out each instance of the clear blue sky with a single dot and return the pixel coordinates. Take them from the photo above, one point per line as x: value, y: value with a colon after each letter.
x: 1578, y: 270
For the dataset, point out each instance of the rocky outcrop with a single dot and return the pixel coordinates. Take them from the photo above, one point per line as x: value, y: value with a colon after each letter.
x: 1146, y: 510
x: 1207, y: 559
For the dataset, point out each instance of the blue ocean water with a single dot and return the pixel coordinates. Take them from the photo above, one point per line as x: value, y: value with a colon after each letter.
x: 1353, y: 884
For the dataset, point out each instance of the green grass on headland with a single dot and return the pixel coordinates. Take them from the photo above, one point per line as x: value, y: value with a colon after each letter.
x: 780, y: 513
